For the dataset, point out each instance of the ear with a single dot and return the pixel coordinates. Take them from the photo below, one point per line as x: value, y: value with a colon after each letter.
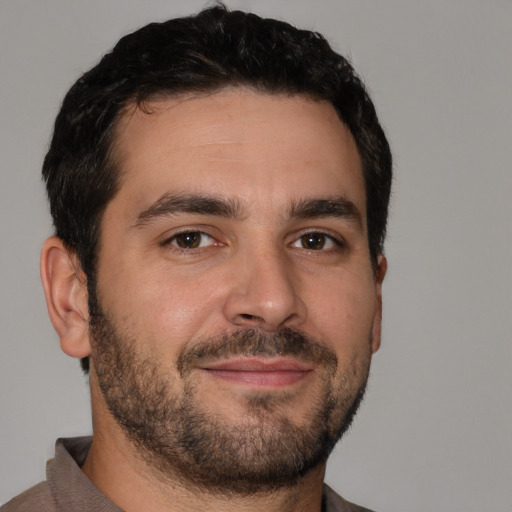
x: 380, y: 273
x: 65, y: 289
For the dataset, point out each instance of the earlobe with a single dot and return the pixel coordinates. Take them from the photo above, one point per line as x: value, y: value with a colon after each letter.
x: 380, y: 273
x: 65, y: 289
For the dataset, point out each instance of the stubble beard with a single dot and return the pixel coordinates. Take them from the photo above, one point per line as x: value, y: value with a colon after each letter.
x: 174, y: 434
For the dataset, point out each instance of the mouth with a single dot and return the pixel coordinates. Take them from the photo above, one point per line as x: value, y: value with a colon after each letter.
x: 261, y: 373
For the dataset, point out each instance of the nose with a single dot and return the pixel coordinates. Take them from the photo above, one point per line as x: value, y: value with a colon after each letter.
x: 264, y: 293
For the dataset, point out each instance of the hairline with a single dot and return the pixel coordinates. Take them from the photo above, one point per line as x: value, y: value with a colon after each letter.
x: 134, y: 104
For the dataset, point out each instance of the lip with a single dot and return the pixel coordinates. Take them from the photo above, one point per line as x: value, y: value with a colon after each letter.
x: 256, y: 372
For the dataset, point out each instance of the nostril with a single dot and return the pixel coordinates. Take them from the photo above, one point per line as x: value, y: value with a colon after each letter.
x: 251, y: 319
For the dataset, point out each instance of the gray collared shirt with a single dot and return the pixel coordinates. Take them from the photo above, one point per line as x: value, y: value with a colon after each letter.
x: 67, y: 489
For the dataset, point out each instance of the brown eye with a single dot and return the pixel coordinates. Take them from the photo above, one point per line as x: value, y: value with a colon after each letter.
x: 313, y: 241
x: 316, y: 241
x: 191, y: 240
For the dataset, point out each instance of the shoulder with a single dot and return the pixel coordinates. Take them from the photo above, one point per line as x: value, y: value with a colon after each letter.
x: 35, y: 499
x: 335, y: 503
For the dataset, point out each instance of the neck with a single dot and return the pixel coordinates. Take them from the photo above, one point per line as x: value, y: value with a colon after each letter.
x: 116, y: 468
x: 132, y: 485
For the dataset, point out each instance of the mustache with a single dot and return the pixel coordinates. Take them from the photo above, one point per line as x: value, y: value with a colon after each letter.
x: 254, y: 342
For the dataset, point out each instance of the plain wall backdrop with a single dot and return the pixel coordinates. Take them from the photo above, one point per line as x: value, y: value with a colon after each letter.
x: 435, y: 430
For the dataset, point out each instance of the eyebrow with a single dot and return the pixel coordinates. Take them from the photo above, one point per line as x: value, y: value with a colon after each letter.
x: 338, y: 207
x: 173, y: 204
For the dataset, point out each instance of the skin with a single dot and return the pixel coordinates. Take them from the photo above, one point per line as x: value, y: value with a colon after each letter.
x: 253, y: 269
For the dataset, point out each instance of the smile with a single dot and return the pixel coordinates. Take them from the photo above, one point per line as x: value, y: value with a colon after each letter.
x: 260, y: 372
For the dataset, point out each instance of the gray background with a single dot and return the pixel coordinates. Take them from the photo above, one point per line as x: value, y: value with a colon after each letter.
x: 435, y: 430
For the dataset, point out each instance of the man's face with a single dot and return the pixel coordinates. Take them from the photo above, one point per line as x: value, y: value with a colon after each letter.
x: 240, y: 307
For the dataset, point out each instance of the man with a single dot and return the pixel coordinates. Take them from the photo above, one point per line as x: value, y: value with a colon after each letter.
x: 219, y: 186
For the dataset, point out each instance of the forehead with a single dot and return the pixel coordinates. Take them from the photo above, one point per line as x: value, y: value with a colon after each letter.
x: 238, y: 142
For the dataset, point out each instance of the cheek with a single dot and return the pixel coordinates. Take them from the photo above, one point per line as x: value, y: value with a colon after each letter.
x: 159, y: 304
x: 342, y: 312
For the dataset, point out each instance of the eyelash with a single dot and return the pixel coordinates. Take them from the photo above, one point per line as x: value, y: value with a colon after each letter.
x: 325, y: 239
x: 337, y: 242
x: 174, y: 238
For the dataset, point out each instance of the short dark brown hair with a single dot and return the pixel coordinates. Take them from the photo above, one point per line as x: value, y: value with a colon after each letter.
x: 214, y: 49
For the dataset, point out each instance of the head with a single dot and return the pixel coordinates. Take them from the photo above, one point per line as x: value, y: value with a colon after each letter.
x: 236, y: 59
x: 213, y: 50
